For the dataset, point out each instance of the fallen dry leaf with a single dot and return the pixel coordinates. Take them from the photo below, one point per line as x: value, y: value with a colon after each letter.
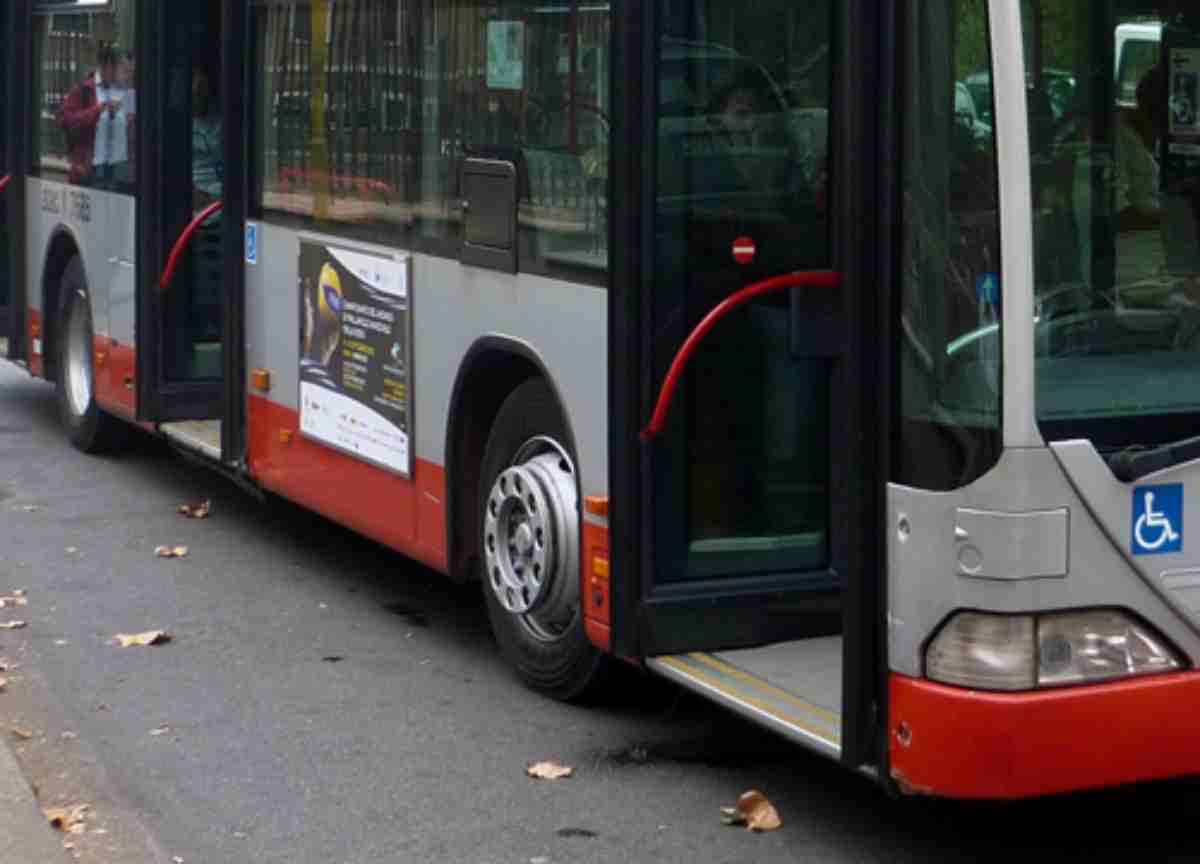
x: 549, y: 771
x: 3, y: 684
x: 142, y: 640
x: 13, y: 602
x: 22, y: 734
x: 160, y: 730
x: 20, y: 592
x: 66, y: 818
x: 196, y: 511
x: 171, y: 551
x: 12, y: 625
x: 754, y: 811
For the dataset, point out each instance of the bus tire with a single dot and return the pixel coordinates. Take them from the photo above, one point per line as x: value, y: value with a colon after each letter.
x: 529, y: 557
x: 89, y: 428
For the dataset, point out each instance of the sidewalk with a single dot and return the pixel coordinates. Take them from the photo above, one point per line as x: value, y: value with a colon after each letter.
x: 25, y: 835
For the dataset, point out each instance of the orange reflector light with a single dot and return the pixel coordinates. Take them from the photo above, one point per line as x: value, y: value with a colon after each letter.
x: 596, y: 505
x: 260, y: 379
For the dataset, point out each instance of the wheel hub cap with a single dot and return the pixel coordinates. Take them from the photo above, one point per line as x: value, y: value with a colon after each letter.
x: 530, y: 534
x: 79, y: 359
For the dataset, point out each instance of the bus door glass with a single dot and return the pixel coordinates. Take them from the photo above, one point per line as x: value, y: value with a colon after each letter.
x: 192, y: 180
x: 742, y: 473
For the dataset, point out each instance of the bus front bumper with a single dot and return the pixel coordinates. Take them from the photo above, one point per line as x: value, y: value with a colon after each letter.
x: 959, y: 743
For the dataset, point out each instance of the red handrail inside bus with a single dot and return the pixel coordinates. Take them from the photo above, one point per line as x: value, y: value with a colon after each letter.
x: 184, y: 238
x: 806, y: 279
x: 4, y: 181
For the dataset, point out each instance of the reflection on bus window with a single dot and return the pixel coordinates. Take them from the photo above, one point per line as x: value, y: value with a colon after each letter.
x: 1116, y: 189
x: 742, y: 146
x: 949, y: 343
x: 85, y: 96
x: 403, y: 92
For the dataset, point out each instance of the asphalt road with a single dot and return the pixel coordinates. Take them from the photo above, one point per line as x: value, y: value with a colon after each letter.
x: 323, y: 700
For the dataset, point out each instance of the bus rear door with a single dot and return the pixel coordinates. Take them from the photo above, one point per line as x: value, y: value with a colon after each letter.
x: 190, y: 216
x: 745, y: 520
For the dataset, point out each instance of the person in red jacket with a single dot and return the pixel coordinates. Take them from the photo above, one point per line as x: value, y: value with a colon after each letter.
x: 80, y: 115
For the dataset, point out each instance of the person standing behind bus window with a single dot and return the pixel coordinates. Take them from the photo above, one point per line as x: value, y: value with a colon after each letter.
x: 1138, y: 200
x: 207, y: 162
x: 80, y: 115
x: 111, y: 153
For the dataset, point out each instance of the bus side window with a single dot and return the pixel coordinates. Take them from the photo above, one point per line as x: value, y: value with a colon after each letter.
x: 458, y: 80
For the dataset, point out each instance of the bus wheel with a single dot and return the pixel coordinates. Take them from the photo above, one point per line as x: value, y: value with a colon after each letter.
x: 89, y: 428
x: 530, y: 546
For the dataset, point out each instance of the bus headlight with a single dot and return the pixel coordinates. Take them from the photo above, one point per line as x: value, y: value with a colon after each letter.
x: 990, y: 652
x: 1024, y: 652
x: 1080, y: 647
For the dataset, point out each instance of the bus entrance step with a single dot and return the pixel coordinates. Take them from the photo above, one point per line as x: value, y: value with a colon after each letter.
x: 793, y: 688
x: 201, y: 437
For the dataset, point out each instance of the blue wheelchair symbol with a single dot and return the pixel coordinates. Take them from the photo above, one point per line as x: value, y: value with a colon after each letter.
x: 1157, y: 519
x: 251, y: 243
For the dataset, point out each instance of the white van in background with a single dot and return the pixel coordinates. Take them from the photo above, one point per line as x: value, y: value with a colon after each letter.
x: 1138, y: 50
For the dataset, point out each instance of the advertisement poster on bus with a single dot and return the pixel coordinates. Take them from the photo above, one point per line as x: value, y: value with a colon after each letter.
x: 1185, y: 102
x: 506, y: 55
x: 355, y: 353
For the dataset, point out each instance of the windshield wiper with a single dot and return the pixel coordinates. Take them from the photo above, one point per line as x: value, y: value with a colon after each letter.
x: 1133, y: 464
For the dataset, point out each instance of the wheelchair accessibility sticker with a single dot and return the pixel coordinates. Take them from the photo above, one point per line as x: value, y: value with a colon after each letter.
x: 1157, y: 519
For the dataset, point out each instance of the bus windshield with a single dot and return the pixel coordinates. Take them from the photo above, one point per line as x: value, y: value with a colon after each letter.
x: 1115, y: 146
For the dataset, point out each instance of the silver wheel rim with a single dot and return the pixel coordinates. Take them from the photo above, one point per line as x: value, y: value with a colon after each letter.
x: 531, y: 538
x: 79, y: 358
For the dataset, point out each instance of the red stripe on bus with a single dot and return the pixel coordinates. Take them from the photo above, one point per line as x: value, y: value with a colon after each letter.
x: 595, y: 579
x: 407, y: 515
x: 963, y: 743
x: 33, y: 330
x: 114, y: 363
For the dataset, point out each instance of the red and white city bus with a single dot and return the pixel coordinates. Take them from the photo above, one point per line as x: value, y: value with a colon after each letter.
x: 830, y: 359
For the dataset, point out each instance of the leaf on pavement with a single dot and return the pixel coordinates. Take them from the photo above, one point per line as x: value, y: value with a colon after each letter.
x: 3, y: 684
x: 549, y: 771
x: 196, y: 511
x: 12, y: 625
x: 171, y: 551
x: 13, y: 601
x: 69, y: 819
x: 22, y: 734
x: 142, y: 640
x: 160, y: 730
x: 754, y: 811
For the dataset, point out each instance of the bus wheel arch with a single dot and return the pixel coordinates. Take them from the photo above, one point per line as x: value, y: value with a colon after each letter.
x: 59, y: 254
x: 505, y: 410
x: 492, y: 368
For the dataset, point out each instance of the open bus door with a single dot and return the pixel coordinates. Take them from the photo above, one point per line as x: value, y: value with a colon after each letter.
x: 746, y: 518
x: 190, y: 224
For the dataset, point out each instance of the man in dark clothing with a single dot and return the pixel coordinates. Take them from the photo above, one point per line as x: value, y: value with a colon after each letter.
x: 81, y: 112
